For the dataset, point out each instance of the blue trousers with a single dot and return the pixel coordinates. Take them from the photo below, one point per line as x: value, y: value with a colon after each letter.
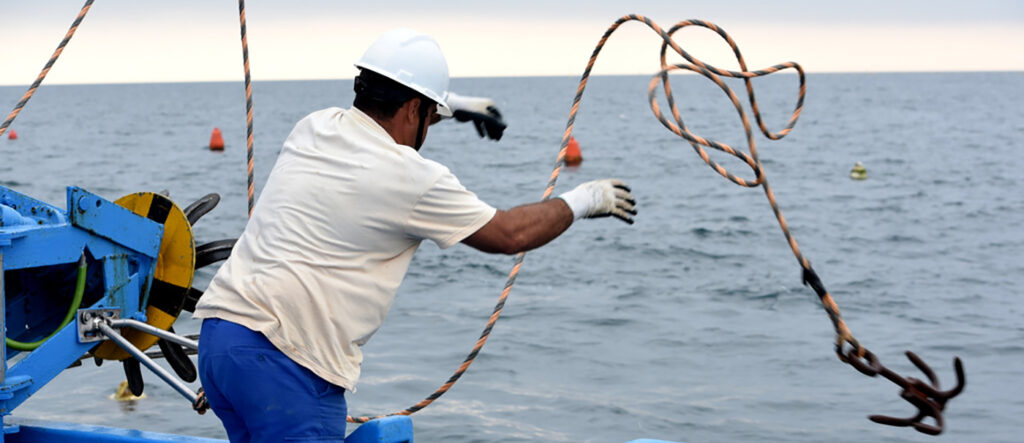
x: 260, y: 394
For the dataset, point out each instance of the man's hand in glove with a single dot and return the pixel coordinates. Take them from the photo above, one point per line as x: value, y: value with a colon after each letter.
x: 601, y: 198
x: 479, y: 110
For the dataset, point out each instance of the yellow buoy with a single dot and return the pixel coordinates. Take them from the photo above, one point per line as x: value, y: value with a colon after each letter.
x: 859, y: 172
x: 125, y: 394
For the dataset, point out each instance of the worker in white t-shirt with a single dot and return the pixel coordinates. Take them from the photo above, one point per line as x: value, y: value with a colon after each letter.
x: 345, y: 207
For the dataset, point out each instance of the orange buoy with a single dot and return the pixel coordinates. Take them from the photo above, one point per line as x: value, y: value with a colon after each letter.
x: 216, y: 140
x: 12, y: 135
x: 573, y: 157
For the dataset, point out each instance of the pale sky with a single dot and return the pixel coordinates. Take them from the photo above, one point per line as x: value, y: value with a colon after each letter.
x: 198, y: 40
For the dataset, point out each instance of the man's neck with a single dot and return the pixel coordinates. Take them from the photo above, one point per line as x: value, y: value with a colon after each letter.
x: 400, y: 126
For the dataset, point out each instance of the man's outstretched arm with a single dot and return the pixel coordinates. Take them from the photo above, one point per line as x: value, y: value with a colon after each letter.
x: 533, y: 225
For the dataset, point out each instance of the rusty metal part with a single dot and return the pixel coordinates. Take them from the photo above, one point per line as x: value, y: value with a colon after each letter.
x: 926, y: 396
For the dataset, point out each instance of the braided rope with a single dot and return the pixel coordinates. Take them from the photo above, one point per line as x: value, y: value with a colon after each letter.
x: 495, y: 314
x: 46, y: 69
x: 679, y: 128
x: 843, y: 334
x: 248, y: 108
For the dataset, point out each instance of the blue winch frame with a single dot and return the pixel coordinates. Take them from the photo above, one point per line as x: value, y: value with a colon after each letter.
x: 34, y: 234
x: 124, y: 247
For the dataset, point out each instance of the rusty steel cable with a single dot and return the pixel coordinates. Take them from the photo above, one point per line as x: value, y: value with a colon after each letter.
x: 248, y: 109
x: 926, y: 396
x: 46, y: 69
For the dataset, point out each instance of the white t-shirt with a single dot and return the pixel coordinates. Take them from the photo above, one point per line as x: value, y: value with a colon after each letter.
x: 331, y: 237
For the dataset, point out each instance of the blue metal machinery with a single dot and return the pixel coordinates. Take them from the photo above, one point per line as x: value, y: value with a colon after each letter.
x: 39, y: 248
x: 67, y: 278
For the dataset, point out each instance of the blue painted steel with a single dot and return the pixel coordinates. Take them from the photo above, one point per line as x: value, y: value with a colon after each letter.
x: 394, y: 429
x: 10, y: 217
x: 108, y: 220
x: 40, y: 245
x: 38, y: 431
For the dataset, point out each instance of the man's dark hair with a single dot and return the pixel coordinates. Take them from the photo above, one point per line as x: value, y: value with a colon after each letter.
x: 379, y: 96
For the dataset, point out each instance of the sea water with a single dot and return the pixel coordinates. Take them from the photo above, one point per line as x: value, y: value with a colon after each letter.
x: 690, y: 325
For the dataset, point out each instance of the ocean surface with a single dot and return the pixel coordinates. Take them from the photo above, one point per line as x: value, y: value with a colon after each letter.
x: 691, y: 325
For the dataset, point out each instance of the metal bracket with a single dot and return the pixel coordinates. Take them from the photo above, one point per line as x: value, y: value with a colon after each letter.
x: 87, y: 318
x: 145, y: 327
x: 99, y: 324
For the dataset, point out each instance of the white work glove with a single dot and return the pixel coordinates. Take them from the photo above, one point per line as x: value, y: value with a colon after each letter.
x: 601, y: 198
x: 481, y: 111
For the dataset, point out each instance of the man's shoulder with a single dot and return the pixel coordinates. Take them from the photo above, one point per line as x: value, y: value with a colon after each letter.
x: 319, y: 118
x: 325, y: 114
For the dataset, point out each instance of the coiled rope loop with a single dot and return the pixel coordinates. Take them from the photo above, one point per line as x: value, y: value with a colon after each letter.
x: 843, y: 335
x: 714, y: 74
x: 751, y: 158
x: 926, y: 396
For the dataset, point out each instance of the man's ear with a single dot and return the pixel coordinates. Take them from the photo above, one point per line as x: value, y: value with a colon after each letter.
x: 411, y: 112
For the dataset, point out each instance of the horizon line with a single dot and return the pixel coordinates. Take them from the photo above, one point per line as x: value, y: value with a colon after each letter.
x: 240, y: 79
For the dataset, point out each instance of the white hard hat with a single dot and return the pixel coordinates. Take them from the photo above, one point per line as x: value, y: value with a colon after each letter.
x: 413, y: 60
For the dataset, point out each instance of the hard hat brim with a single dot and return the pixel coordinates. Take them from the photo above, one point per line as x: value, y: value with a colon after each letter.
x: 442, y: 106
x: 443, y: 110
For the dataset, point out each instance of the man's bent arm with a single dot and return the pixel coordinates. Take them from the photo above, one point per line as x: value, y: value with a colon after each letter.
x: 522, y: 228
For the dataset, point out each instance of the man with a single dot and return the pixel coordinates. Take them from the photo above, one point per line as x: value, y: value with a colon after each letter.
x: 315, y: 271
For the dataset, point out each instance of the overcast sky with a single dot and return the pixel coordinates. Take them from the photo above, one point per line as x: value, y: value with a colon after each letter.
x: 198, y: 40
